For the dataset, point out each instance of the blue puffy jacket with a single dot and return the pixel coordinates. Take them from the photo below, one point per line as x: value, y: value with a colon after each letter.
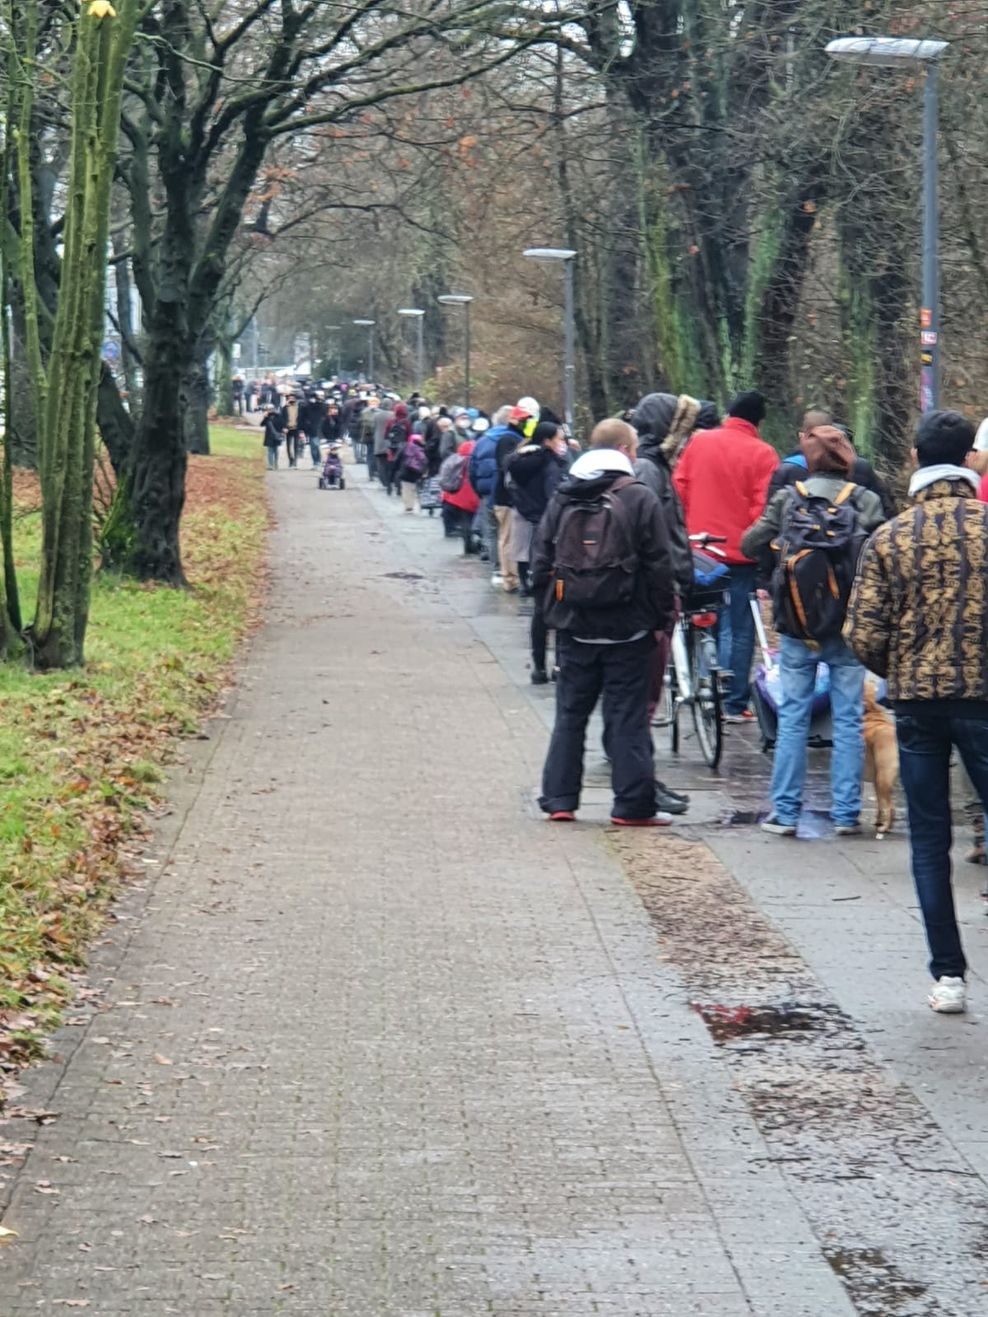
x: 483, y: 463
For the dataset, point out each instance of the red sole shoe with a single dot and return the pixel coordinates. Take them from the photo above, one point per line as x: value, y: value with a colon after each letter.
x: 562, y: 816
x: 642, y: 823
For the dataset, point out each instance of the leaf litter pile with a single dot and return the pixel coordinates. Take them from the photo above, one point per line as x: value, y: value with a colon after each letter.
x: 81, y: 752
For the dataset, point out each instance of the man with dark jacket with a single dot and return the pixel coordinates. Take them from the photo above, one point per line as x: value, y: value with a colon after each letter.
x: 918, y: 616
x: 664, y: 423
x: 793, y: 467
x: 602, y: 565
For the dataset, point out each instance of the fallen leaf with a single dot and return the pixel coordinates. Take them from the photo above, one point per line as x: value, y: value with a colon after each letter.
x: 162, y: 1060
x: 7, y: 1234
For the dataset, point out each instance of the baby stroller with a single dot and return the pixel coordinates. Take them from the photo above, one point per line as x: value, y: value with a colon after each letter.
x: 332, y: 476
x: 766, y: 694
x: 430, y: 495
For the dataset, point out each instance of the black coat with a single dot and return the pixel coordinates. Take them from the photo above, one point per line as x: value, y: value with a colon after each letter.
x: 534, y: 473
x: 652, y: 605
x: 653, y: 470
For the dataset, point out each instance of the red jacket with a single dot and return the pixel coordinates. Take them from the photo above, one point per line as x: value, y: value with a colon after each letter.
x: 465, y: 498
x: 983, y: 490
x: 722, y: 480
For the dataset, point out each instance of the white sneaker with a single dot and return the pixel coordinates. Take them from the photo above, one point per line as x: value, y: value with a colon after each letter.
x: 947, y: 996
x: 497, y: 580
x: 848, y: 830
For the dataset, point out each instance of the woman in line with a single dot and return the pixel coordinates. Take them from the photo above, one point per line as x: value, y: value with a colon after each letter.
x: 534, y: 472
x: 411, y: 464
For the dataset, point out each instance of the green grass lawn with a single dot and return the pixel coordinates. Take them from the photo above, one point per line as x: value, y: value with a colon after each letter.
x: 81, y: 751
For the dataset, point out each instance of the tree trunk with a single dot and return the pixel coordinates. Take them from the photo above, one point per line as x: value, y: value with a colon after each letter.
x: 59, y: 628
x: 157, y: 491
x: 198, y: 394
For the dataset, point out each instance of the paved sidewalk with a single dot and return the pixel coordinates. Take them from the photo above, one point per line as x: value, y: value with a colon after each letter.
x: 376, y: 1041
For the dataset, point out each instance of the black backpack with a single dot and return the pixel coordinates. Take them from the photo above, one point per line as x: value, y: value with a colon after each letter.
x: 596, y: 563
x: 818, y: 548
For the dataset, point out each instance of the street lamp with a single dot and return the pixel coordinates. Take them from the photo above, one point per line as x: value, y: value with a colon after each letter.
x: 418, y: 315
x: 464, y: 300
x: 567, y: 256
x: 896, y: 51
x: 369, y: 324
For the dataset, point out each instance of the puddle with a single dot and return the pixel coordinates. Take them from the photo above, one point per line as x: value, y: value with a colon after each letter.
x: 813, y: 823
x: 876, y: 1286
x: 729, y: 1022
x: 404, y: 576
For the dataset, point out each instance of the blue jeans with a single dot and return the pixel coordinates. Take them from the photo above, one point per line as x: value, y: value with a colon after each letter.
x: 736, y: 636
x: 272, y: 453
x: 799, y: 664
x: 926, y: 735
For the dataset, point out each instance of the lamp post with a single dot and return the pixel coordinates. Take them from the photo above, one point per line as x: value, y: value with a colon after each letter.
x: 567, y: 256
x: 896, y: 51
x: 370, y: 347
x: 464, y: 300
x: 415, y: 313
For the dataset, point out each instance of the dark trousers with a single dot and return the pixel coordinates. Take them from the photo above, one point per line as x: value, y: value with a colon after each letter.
x: 619, y: 676
x: 385, y: 472
x: 926, y: 736
x: 539, y: 636
x: 291, y: 446
x: 736, y: 636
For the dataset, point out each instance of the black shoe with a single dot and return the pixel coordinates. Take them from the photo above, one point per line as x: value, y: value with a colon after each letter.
x: 667, y: 802
x: 676, y: 795
x: 539, y: 677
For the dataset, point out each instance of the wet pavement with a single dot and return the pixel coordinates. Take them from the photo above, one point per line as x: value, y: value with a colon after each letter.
x: 378, y: 1042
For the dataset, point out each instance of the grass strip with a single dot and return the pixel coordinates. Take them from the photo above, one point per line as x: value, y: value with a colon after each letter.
x: 81, y: 752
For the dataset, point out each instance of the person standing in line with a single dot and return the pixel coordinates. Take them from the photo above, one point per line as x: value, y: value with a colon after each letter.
x: 237, y: 392
x: 919, y: 617
x: 411, y: 465
x: 807, y: 639
x: 271, y: 437
x: 535, y: 472
x: 603, y: 574
x: 460, y: 504
x: 380, y: 425
x: 290, y: 424
x: 722, y: 480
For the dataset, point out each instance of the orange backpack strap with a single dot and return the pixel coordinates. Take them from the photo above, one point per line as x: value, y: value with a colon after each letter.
x: 801, y: 488
x: 845, y: 493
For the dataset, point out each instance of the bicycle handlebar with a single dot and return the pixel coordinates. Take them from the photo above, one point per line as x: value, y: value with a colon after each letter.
x: 704, y: 538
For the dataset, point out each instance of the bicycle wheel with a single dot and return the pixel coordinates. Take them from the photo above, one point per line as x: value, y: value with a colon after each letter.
x: 667, y: 711
x: 708, y: 718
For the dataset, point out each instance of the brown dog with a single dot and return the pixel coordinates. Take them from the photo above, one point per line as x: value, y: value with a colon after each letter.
x: 881, y: 759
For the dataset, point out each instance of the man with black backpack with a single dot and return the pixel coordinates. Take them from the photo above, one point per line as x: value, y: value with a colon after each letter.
x: 602, y: 573
x: 817, y: 529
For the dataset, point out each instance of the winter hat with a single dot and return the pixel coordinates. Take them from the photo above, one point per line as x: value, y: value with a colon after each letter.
x: 473, y: 413
x: 481, y: 424
x: 401, y: 412
x: 424, y: 412
x: 529, y: 406
x: 828, y: 449
x: 981, y: 438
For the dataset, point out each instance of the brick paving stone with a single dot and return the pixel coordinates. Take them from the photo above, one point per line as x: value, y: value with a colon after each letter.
x: 379, y: 1041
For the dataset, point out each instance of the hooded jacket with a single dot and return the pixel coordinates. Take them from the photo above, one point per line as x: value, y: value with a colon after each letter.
x: 652, y: 605
x: 465, y: 497
x: 722, y: 479
x: 534, y: 474
x: 918, y: 614
x: 483, y: 463
x: 659, y: 419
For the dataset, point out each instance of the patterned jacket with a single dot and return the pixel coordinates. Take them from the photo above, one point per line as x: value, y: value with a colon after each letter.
x: 919, y: 609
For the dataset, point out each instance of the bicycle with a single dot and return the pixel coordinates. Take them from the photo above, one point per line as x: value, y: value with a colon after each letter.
x: 693, y: 677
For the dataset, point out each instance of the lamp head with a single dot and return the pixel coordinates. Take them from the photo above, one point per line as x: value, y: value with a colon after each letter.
x: 549, y: 253
x: 885, y: 52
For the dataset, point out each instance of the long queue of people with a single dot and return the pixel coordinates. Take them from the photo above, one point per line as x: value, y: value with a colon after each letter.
x: 601, y: 539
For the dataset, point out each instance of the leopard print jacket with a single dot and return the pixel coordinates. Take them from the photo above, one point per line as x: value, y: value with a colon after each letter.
x: 918, y: 613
